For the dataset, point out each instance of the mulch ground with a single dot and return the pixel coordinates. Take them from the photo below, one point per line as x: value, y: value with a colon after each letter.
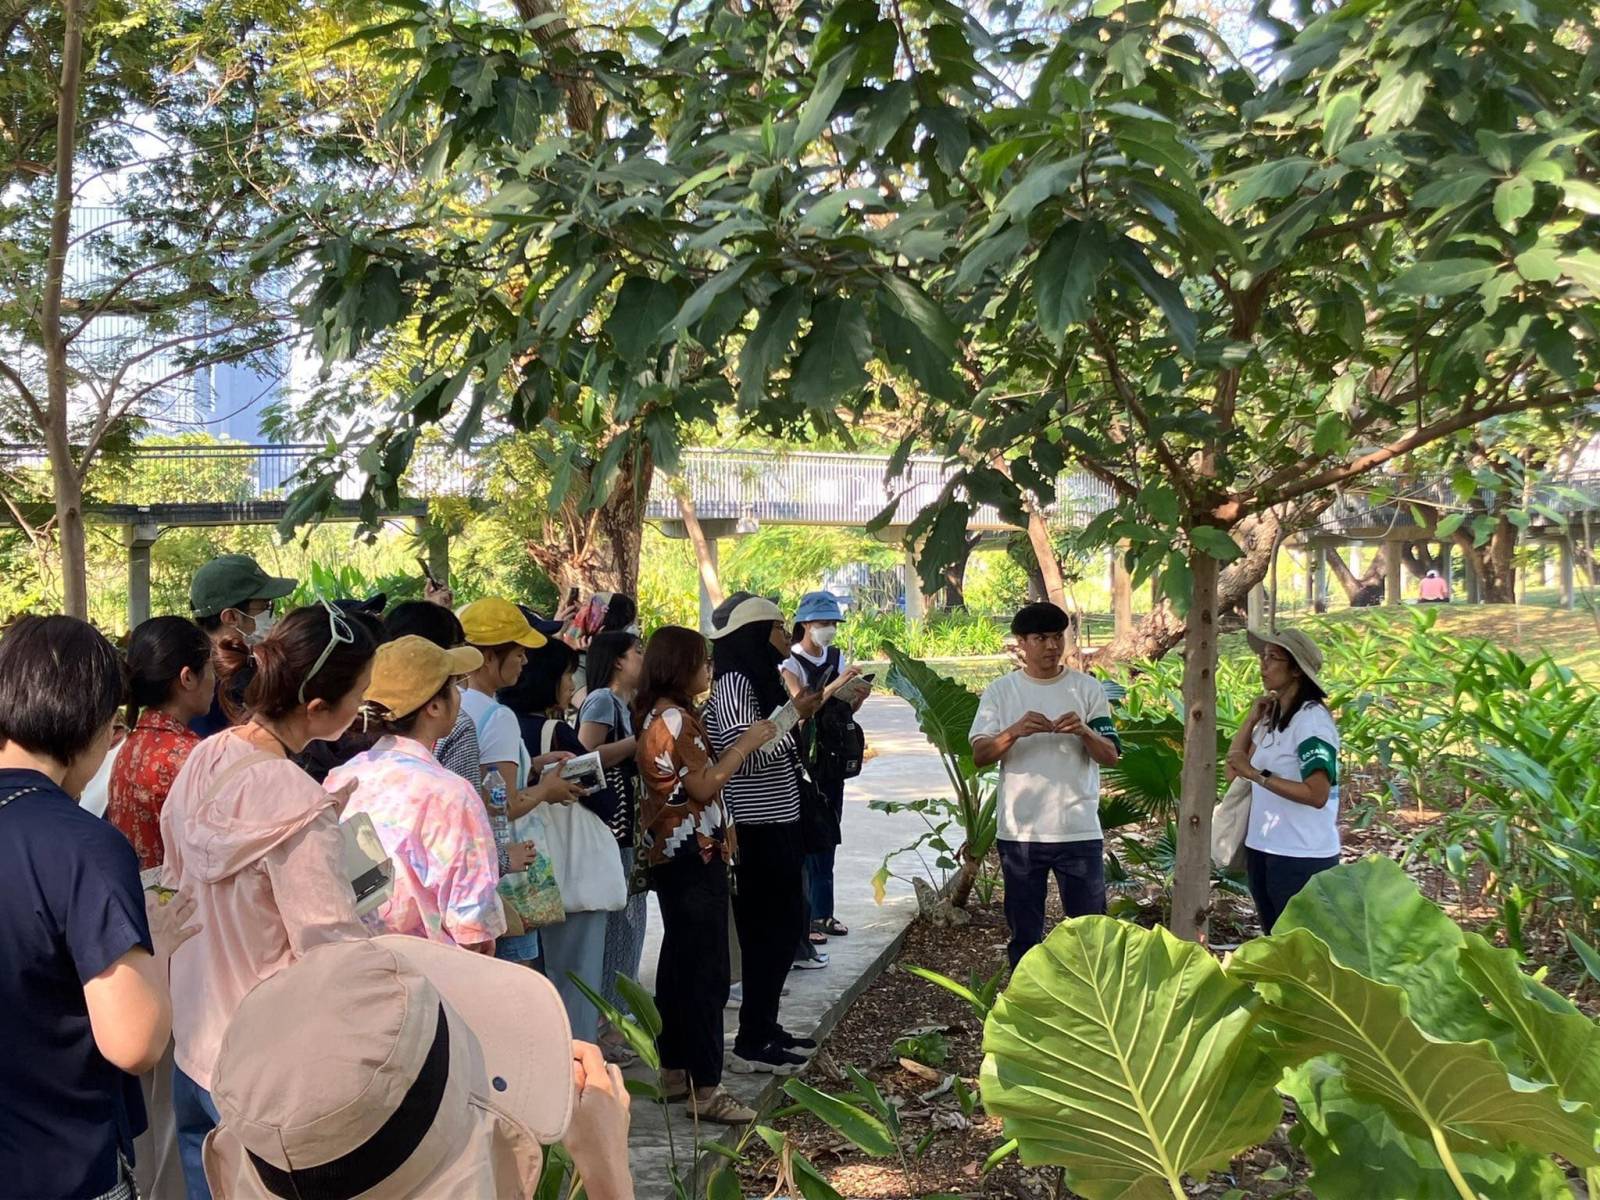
x: 951, y: 1161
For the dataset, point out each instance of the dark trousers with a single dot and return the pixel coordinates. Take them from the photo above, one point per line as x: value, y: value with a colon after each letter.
x: 1275, y: 879
x: 195, y: 1116
x: 1026, y: 867
x: 768, y: 907
x: 819, y: 864
x: 692, y: 972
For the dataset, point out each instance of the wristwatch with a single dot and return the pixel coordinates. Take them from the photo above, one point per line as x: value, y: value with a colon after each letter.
x: 1265, y: 775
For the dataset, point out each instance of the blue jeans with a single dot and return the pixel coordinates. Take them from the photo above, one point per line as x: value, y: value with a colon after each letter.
x: 819, y: 864
x: 195, y: 1116
x: 1026, y: 867
x: 577, y: 946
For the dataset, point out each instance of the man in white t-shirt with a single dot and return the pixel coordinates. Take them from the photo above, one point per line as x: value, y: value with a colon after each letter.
x: 1049, y: 727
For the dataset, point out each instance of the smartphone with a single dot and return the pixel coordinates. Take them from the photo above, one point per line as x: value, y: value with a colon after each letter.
x: 572, y: 597
x: 427, y: 573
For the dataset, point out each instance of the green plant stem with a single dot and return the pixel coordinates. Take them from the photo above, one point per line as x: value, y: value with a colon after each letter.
x: 1450, y: 1168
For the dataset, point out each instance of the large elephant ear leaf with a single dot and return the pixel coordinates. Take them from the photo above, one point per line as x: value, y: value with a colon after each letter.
x: 1123, y: 1055
x: 1358, y: 1153
x: 1457, y: 1094
x: 1555, y: 1042
x: 945, y: 709
x: 1374, y: 920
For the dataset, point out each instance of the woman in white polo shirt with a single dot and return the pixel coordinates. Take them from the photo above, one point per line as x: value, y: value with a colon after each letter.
x: 1288, y: 748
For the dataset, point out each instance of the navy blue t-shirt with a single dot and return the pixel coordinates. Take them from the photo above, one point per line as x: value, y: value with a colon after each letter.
x: 71, y: 905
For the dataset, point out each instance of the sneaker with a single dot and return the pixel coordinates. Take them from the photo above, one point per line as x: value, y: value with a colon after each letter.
x: 735, y: 996
x: 773, y: 1060
x: 814, y: 962
x: 720, y: 1108
x: 803, y: 1046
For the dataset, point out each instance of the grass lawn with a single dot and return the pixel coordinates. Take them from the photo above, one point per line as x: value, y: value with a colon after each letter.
x: 1571, y: 638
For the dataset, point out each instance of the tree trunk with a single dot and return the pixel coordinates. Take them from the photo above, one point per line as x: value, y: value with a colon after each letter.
x: 955, y: 576
x: 598, y: 550
x: 1162, y: 628
x: 709, y: 577
x: 554, y: 35
x: 1495, y: 561
x: 1351, y: 583
x: 1420, y: 558
x: 1191, y: 885
x: 1044, y: 552
x: 66, y: 476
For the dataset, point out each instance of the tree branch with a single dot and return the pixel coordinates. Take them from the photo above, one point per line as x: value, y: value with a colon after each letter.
x: 1175, y: 470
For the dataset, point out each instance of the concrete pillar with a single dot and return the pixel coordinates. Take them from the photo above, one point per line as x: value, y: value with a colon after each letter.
x: 916, y: 605
x: 1256, y: 607
x: 1395, y: 570
x: 1447, y: 567
x: 706, y: 603
x: 139, y: 539
x: 1469, y: 573
x: 1565, y: 549
x: 1317, y: 576
x: 1121, y: 593
x: 1547, y: 566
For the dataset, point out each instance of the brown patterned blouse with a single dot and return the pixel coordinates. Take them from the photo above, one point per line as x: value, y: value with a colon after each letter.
x: 672, y: 743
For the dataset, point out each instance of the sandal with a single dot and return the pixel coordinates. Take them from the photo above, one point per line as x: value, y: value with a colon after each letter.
x: 674, y: 1085
x: 720, y: 1108
x: 832, y: 927
x: 817, y: 938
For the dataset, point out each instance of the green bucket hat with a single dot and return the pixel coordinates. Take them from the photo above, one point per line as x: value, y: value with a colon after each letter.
x: 231, y: 581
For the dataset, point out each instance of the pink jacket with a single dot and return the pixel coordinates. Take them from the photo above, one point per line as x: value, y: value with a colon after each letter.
x: 257, y: 843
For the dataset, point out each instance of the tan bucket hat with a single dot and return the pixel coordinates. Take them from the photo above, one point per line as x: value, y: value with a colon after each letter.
x: 389, y: 1068
x: 739, y: 610
x: 1296, y: 644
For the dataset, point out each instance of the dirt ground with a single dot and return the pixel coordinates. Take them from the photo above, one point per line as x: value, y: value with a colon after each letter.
x: 951, y: 1161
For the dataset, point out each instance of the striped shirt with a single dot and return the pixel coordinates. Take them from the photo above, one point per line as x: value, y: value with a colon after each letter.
x: 764, y: 790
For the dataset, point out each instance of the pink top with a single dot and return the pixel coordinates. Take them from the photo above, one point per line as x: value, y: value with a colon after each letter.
x: 1434, y: 587
x: 436, y: 830
x: 257, y: 843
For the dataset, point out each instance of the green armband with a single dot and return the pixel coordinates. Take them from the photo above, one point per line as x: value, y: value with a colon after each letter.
x: 1104, y: 727
x: 1317, y: 755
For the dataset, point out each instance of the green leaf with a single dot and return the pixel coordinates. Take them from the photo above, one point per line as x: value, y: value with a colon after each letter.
x: 818, y: 108
x: 1123, y: 1055
x: 1339, y: 119
x: 1584, y: 197
x: 704, y: 296
x: 1450, y: 524
x: 1443, y: 276
x: 1269, y: 181
x: 1042, y: 181
x: 1162, y: 290
x: 1455, y: 1092
x: 1397, y: 100
x: 864, y: 1131
x: 1065, y: 273
x: 1451, y: 190
x: 887, y: 113
x: 1215, y: 542
x: 1512, y: 200
x: 1330, y: 434
x: 833, y: 354
x: 642, y: 310
x: 918, y: 337
x: 1583, y: 267
x: 1557, y: 1043
x: 768, y: 344
x: 944, y: 708
x: 991, y: 250
x: 1358, y: 1153
x: 1539, y: 265
x: 1587, y: 954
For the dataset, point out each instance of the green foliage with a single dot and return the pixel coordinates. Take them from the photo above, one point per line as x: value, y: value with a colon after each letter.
x: 1423, y: 1061
x: 1123, y: 1055
x: 930, y: 1047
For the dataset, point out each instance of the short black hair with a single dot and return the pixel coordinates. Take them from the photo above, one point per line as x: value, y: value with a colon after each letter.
x: 425, y: 619
x: 536, y: 688
x: 61, y: 682
x: 1042, y: 617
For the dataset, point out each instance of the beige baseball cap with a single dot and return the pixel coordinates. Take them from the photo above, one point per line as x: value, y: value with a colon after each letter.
x: 409, y: 671
x: 388, y: 1068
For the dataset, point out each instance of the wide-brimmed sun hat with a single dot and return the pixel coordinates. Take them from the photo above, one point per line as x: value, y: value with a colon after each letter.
x: 819, y: 606
x: 1294, y: 643
x: 739, y: 610
x: 388, y: 1068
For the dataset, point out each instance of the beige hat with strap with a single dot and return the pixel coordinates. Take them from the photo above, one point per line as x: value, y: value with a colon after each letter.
x: 1296, y: 645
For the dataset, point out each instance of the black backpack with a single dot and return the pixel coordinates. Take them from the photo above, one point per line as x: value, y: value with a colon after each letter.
x: 834, y: 745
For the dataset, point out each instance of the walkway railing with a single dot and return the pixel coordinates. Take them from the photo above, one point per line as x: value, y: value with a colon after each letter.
x: 800, y: 488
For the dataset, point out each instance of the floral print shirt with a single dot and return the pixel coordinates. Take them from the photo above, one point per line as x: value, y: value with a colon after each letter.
x: 436, y: 829
x: 672, y: 823
x: 142, y: 775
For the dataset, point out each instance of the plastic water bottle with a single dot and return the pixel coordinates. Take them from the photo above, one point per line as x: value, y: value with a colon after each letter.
x: 499, y: 817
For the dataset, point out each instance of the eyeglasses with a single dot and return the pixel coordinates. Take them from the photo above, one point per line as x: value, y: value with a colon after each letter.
x: 339, y: 634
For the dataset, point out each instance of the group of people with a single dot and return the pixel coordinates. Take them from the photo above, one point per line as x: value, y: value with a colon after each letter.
x: 1050, y: 729
x: 225, y: 988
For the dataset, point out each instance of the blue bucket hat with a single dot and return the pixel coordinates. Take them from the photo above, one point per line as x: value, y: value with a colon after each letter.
x: 819, y: 606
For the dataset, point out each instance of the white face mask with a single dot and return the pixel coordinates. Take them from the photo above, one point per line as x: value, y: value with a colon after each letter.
x: 263, y: 626
x: 823, y: 635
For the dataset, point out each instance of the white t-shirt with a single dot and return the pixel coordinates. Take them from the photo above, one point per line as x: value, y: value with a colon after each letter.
x: 1279, y: 826
x: 1049, y: 786
x: 798, y: 651
x: 499, y: 735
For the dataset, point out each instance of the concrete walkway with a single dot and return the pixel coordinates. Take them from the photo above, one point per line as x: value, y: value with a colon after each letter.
x: 904, y: 767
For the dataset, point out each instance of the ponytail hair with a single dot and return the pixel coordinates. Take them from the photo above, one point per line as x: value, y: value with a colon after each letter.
x: 158, y: 651
x: 280, y: 666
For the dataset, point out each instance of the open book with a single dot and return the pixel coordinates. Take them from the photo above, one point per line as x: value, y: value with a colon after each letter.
x: 366, y: 863
x: 584, y: 770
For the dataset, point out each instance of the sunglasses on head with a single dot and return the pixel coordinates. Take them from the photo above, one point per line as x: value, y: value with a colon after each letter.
x: 339, y: 634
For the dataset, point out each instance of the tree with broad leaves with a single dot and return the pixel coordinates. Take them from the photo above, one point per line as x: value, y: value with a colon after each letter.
x: 1226, y: 287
